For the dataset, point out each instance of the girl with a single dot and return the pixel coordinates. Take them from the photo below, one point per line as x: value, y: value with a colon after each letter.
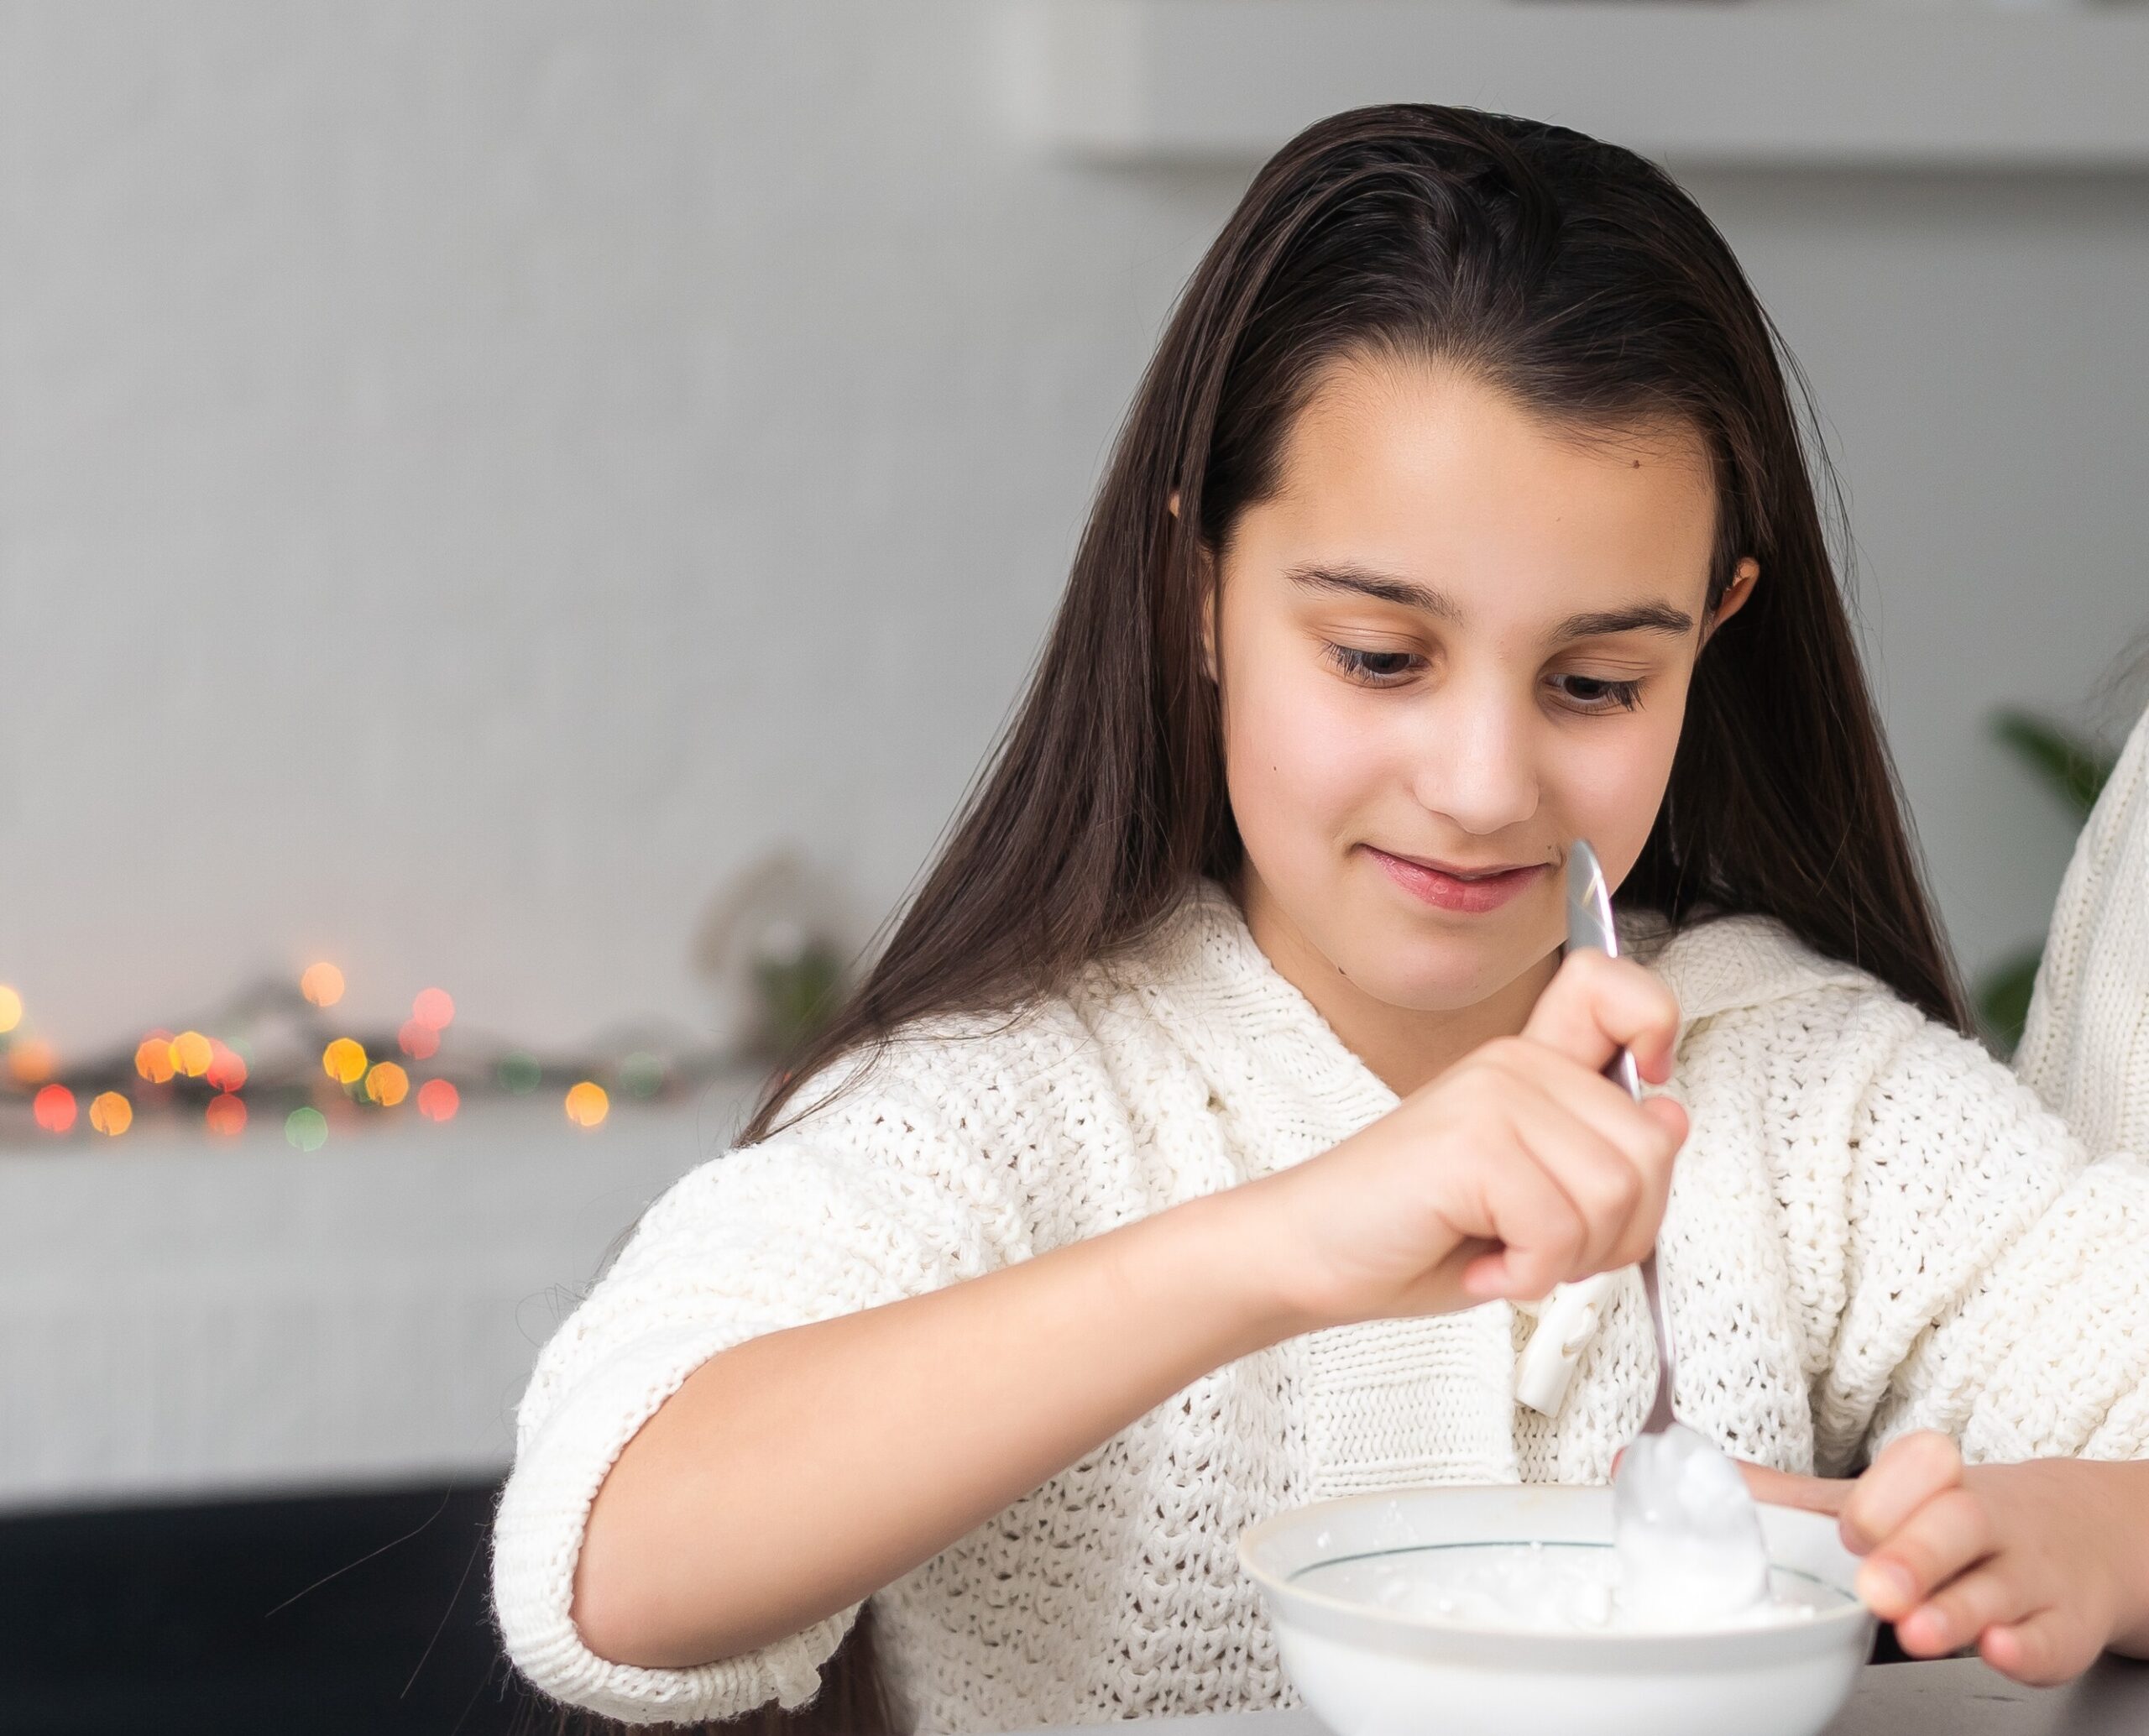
x: 1200, y: 1140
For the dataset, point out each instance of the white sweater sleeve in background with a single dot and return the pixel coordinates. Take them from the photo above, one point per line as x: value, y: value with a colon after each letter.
x: 1996, y: 1275
x: 876, y: 1199
x: 2085, y: 1048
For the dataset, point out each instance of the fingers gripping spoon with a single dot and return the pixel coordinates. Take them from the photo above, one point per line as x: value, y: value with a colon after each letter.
x: 1686, y: 1531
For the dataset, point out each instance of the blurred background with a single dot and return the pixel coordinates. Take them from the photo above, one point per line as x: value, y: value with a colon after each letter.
x: 518, y: 522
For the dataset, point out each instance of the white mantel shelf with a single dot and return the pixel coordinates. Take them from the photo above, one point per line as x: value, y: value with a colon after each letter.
x: 183, y: 1318
x: 1768, y: 84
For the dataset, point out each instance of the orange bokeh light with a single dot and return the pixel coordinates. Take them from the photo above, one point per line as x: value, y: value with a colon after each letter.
x: 153, y: 1057
x: 323, y: 983
x: 226, y: 1115
x: 438, y: 1100
x: 344, y: 1061
x: 11, y: 1008
x: 388, y: 1085
x: 587, y: 1104
x: 33, y: 1062
x: 54, y: 1108
x: 190, y: 1054
x: 110, y: 1114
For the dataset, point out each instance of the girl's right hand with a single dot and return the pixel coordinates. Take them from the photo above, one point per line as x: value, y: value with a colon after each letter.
x: 1520, y: 1167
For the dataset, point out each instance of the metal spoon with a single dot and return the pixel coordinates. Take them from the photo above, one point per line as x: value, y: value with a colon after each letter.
x: 1589, y: 923
x: 1684, y: 1527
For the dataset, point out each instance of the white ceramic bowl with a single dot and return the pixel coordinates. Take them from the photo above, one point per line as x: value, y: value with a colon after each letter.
x: 1367, y: 1672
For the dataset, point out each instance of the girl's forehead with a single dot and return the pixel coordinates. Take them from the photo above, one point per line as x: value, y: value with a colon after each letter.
x: 1428, y: 475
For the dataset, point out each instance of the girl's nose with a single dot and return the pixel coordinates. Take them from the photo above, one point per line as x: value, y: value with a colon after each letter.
x: 1478, y: 769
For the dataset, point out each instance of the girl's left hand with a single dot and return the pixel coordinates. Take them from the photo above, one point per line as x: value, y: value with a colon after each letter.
x: 2017, y: 1558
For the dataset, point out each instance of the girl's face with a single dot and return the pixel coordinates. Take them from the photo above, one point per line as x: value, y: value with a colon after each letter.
x: 1455, y: 638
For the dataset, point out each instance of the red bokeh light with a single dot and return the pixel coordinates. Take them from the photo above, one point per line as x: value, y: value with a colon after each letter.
x: 54, y: 1108
x: 226, y: 1067
x: 226, y: 1114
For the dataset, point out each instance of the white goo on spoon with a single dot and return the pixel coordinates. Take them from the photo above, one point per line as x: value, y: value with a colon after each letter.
x: 1685, y: 1532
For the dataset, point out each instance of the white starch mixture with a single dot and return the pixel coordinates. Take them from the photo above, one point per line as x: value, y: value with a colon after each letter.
x: 1539, y: 1588
x: 1686, y: 1534
x: 1687, y: 1557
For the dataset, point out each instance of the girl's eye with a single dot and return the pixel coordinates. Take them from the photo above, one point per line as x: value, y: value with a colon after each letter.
x: 1589, y: 694
x: 1592, y: 694
x: 1375, y: 669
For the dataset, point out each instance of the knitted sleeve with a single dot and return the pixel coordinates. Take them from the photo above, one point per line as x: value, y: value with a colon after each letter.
x: 1993, y: 1272
x: 2085, y: 1049
x: 882, y: 1194
x: 1968, y: 1250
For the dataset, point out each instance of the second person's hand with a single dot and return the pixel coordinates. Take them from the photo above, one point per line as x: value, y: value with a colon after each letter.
x: 2027, y: 1562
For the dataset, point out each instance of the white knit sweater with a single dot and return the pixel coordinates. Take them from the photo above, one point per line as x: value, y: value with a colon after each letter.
x: 2086, y: 1046
x: 1874, y: 1227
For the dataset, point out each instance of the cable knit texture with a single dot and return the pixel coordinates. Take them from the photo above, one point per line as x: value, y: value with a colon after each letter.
x: 2086, y: 1046
x: 1874, y: 1227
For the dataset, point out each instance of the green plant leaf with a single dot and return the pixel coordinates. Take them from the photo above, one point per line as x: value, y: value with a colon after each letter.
x: 2003, y: 998
x: 2074, y: 769
x: 798, y: 995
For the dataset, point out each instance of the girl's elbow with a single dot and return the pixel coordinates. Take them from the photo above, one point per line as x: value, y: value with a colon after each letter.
x: 625, y: 1616
x: 614, y: 1609
x: 604, y: 1609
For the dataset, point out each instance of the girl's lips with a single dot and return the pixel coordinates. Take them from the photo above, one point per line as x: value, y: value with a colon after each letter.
x: 1446, y: 892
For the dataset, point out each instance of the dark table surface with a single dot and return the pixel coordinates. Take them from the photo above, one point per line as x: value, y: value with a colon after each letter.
x: 1956, y: 1696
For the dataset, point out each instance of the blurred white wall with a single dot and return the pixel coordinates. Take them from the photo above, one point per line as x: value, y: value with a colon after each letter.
x: 471, y: 478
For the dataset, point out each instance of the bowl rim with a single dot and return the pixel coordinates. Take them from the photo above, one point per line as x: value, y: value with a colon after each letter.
x: 1346, y: 1619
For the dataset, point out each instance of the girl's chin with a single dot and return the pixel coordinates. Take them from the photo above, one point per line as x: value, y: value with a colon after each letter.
x: 1418, y: 973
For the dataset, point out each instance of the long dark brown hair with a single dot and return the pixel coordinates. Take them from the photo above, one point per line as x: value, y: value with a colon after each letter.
x: 1577, y: 278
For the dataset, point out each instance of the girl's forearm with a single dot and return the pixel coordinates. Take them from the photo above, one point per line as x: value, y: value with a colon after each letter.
x: 797, y: 1473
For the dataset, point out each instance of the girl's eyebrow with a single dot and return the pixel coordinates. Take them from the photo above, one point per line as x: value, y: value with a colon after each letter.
x: 1655, y: 617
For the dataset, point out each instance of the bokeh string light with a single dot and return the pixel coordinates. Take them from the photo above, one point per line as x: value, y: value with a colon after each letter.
x: 277, y: 1050
x: 110, y: 1114
x: 54, y: 1105
x: 587, y: 1104
x: 344, y: 1061
x: 321, y: 983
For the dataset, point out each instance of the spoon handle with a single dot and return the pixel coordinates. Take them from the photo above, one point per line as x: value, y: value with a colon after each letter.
x: 1589, y: 923
x: 1660, y: 1416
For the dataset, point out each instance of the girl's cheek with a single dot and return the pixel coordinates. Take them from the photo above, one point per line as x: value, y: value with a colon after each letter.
x: 1611, y: 789
x: 1299, y: 764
